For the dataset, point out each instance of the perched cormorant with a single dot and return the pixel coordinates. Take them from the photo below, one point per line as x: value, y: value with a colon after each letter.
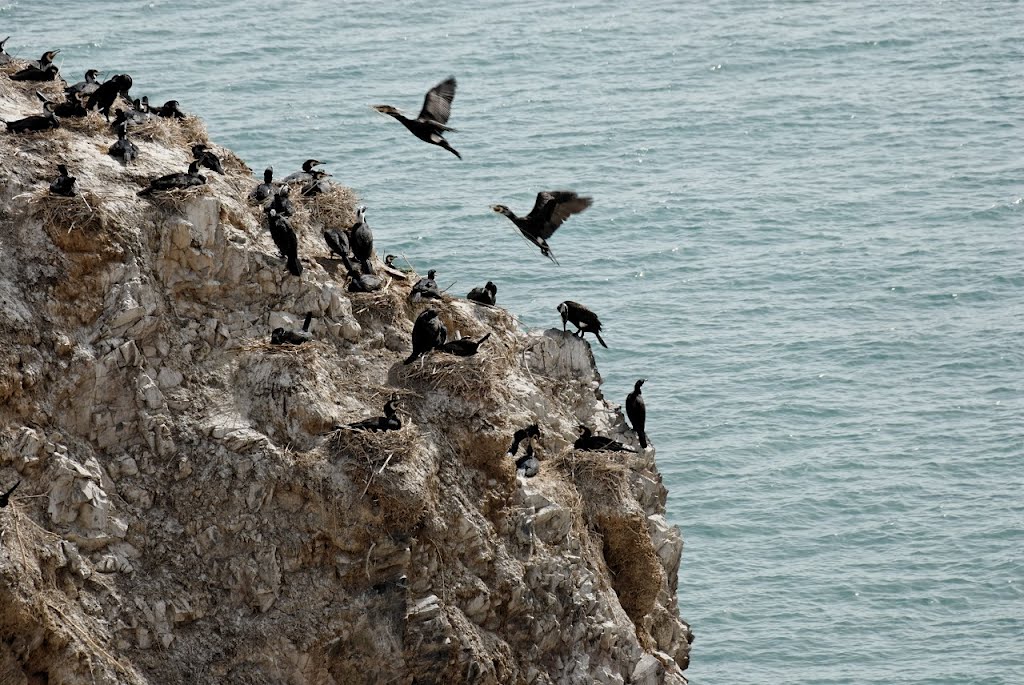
x: 550, y: 211
x: 280, y: 336
x: 4, y: 57
x: 170, y: 109
x: 64, y: 184
x: 361, y: 239
x: 318, y: 185
x: 71, y: 107
x: 389, y: 422
x: 529, y: 433
x: 124, y: 149
x: 6, y: 497
x: 265, y: 189
x: 582, y: 318
x: 304, y: 176
x: 282, y: 204
x: 202, y: 154
x: 36, y: 122
x: 362, y: 283
x: 425, y: 288
x: 103, y: 98
x: 285, y: 239
x: 47, y: 73
x: 588, y: 442
x: 528, y: 463
x: 636, y: 410
x: 428, y: 333
x: 485, y: 295
x: 433, y: 118
x: 337, y: 243
x: 389, y: 261
x: 176, y: 181
x: 463, y: 347
x: 86, y: 87
x: 44, y: 61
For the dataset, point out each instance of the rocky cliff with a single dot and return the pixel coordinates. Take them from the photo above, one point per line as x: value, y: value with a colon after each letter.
x: 186, y: 513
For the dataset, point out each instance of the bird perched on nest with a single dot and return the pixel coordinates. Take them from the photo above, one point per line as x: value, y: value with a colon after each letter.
x: 318, y: 185
x: 528, y: 464
x: 588, y: 442
x: 202, y: 154
x: 363, y: 282
x: 636, y: 410
x: 463, y: 347
x: 582, y: 318
x: 6, y: 497
x: 176, y: 181
x: 282, y: 204
x: 485, y: 295
x: 124, y: 149
x: 433, y: 118
x: 304, y: 176
x: 281, y: 336
x: 64, y: 184
x: 44, y: 61
x: 103, y: 98
x: 550, y: 210
x: 87, y: 87
x: 47, y: 73
x: 36, y: 122
x: 169, y: 110
x: 71, y: 107
x: 284, y: 237
x: 523, y: 434
x: 425, y: 288
x: 389, y: 261
x: 428, y: 333
x: 264, y: 190
x: 361, y: 240
x: 4, y: 57
x: 389, y: 422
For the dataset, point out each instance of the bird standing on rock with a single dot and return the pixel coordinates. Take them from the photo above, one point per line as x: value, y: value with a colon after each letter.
x: 361, y: 240
x: 636, y: 410
x: 280, y: 336
x: 124, y: 149
x: 550, y: 210
x: 485, y: 295
x: 285, y: 239
x: 433, y: 118
x: 428, y: 333
x: 585, y: 320
x: 202, y: 154
x: 64, y: 184
x: 103, y: 98
x: 264, y: 190
x: 425, y: 288
x: 282, y: 204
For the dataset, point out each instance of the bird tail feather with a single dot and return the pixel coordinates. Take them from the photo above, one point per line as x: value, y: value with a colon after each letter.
x: 600, y: 340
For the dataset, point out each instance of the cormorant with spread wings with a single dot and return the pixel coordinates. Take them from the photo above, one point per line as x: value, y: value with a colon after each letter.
x: 432, y: 121
x: 549, y: 212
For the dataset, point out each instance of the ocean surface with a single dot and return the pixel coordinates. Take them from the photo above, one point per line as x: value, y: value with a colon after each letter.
x: 806, y: 233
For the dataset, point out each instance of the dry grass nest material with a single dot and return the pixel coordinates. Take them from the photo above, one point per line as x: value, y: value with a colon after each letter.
x: 176, y: 201
x: 85, y: 211
x: 372, y: 449
x: 469, y: 377
x: 594, y: 470
x: 171, y: 132
x: 306, y: 349
x: 333, y: 209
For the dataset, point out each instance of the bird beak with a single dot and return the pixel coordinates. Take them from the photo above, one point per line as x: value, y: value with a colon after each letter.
x: 495, y: 208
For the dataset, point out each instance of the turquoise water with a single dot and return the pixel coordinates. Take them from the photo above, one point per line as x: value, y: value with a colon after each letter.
x: 806, y: 233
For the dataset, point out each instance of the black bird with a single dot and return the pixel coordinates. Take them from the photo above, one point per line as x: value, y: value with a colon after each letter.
x: 337, y: 243
x: 389, y: 422
x: 4, y: 57
x: 550, y: 211
x: 47, y: 73
x: 304, y: 176
x: 280, y: 336
x: 6, y: 497
x: 528, y: 464
x: 265, y: 189
x: 361, y: 239
x: 582, y: 318
x: 44, y: 61
x: 124, y: 149
x: 588, y: 442
x: 285, y: 239
x: 176, y: 181
x: 71, y: 107
x: 362, y: 283
x: 636, y: 410
x: 529, y: 433
x: 425, y: 288
x: 318, y: 185
x: 282, y: 204
x: 64, y: 184
x: 36, y: 122
x: 170, y: 109
x: 87, y: 87
x: 433, y: 118
x: 103, y: 98
x: 463, y: 347
x: 202, y: 154
x: 389, y: 261
x: 428, y: 333
x: 485, y: 295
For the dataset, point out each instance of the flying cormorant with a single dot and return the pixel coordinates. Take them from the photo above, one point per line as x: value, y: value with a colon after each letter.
x: 87, y: 87
x: 550, y: 211
x: 282, y: 204
x: 47, y: 73
x: 64, y: 184
x: 428, y: 333
x: 103, y: 98
x: 389, y: 422
x: 36, y: 122
x: 425, y: 288
x: 266, y: 189
x: 6, y: 497
x: 636, y: 410
x: 280, y: 336
x: 124, y: 149
x: 485, y: 295
x: 361, y: 239
x: 463, y: 347
x: 202, y: 154
x: 176, y: 181
x: 528, y: 464
x: 304, y: 176
x: 433, y: 118
x: 528, y: 433
x: 582, y: 318
x: 588, y: 442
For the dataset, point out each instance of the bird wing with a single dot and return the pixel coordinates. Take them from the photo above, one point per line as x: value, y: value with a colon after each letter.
x: 552, y: 208
x: 437, y: 105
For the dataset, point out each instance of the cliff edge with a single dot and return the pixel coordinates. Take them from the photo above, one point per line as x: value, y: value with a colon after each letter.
x: 186, y: 514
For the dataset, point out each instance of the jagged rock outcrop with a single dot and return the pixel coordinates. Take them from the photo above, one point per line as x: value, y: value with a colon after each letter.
x: 188, y: 515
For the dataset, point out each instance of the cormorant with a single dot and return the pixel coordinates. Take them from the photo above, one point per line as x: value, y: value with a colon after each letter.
x: 425, y: 288
x: 282, y: 204
x: 528, y: 433
x: 463, y: 347
x: 306, y: 175
x: 362, y: 283
x: 86, y: 87
x: 285, y: 239
x: 389, y: 261
x: 103, y: 98
x: 71, y: 107
x: 47, y: 73
x: 64, y: 184
x: 550, y: 211
x: 176, y: 181
x: 428, y: 333
x: 361, y: 239
x: 318, y: 185
x: 44, y: 61
x: 202, y: 154
x: 280, y: 336
x: 636, y: 410
x: 36, y: 122
x: 582, y: 318
x: 433, y: 118
x: 528, y: 464
x: 337, y: 243
x: 588, y: 442
x: 124, y: 149
x: 485, y: 295
x: 170, y: 109
x: 265, y: 189
x: 4, y: 57
x: 389, y: 422
x: 6, y: 497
